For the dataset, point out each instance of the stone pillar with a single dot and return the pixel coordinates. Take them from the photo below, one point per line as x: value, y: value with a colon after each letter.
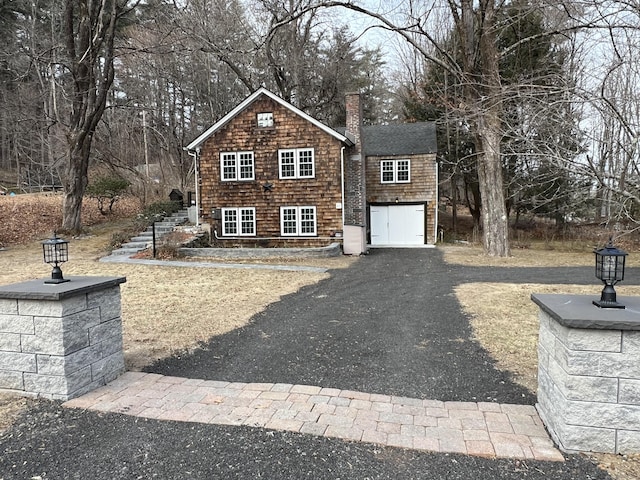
x: 589, y: 373
x: 63, y: 340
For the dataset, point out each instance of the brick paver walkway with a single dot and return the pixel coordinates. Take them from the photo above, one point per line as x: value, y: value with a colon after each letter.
x: 484, y: 429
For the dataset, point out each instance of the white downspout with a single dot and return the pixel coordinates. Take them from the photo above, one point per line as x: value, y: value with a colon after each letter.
x: 195, y: 154
x: 342, y: 186
x: 197, y: 175
x: 437, y: 197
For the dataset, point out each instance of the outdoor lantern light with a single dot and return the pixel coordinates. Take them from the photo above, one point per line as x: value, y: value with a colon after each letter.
x: 55, y: 251
x: 609, y: 269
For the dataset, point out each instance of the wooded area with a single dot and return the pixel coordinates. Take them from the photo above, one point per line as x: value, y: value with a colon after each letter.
x: 536, y: 101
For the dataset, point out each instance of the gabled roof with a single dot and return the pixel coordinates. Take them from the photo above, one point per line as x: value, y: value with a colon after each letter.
x: 400, y: 139
x: 248, y: 101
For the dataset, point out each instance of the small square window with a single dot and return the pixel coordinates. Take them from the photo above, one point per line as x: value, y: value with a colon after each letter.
x: 265, y: 120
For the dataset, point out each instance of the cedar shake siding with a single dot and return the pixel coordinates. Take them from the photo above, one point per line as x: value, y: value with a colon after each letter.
x: 267, y: 192
x: 247, y: 203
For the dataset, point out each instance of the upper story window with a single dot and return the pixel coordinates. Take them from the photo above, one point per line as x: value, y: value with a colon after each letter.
x: 239, y: 221
x: 236, y: 166
x: 265, y: 119
x: 296, y: 163
x: 395, y: 171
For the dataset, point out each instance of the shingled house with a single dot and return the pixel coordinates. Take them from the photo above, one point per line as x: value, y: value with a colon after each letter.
x: 271, y: 175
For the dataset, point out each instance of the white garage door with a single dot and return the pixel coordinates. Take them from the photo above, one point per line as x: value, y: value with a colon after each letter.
x: 397, y: 225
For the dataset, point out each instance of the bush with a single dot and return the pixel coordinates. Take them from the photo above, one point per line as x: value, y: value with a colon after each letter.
x: 107, y: 190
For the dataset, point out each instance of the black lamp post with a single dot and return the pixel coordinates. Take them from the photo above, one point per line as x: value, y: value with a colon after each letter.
x: 55, y: 251
x: 609, y: 269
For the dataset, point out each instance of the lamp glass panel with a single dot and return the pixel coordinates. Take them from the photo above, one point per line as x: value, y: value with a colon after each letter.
x: 610, y: 267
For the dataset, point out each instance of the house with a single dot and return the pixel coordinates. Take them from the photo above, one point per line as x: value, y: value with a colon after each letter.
x: 271, y: 175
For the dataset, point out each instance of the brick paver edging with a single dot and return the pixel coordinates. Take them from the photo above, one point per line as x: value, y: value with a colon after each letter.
x: 483, y: 429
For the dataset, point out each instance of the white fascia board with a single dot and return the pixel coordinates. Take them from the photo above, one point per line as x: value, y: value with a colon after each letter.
x: 248, y: 101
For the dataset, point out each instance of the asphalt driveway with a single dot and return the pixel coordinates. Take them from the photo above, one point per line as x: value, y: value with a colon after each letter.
x: 389, y: 324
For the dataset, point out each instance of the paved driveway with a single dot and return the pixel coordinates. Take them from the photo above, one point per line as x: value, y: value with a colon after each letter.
x: 390, y: 324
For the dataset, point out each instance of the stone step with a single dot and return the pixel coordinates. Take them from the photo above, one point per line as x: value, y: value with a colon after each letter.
x: 125, y: 251
x: 145, y: 239
x: 142, y: 238
x: 139, y: 245
x: 159, y: 230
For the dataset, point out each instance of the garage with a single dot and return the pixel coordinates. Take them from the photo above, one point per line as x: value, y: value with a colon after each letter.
x: 397, y: 225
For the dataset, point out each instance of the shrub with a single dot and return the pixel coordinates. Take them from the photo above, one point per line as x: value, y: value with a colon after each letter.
x: 107, y: 190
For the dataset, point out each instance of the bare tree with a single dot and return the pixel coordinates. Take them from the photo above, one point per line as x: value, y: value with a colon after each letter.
x: 86, y: 68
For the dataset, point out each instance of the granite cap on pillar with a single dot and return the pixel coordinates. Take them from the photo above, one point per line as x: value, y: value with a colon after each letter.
x: 578, y: 311
x: 38, y: 290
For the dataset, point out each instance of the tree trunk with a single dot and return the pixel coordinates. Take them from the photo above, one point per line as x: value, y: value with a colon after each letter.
x: 495, y: 222
x: 75, y: 183
x: 488, y: 131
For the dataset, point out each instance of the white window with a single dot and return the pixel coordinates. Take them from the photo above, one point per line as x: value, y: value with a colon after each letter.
x: 236, y: 166
x: 298, y: 221
x: 265, y: 120
x: 395, y: 171
x: 239, y: 221
x: 297, y: 163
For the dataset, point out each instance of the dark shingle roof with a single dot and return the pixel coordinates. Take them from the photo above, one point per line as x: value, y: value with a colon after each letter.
x: 402, y: 139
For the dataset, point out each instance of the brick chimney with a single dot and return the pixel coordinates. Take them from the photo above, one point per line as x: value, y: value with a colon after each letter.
x: 354, y: 119
x: 355, y: 218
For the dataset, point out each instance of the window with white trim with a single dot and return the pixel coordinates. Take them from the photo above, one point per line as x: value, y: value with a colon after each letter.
x: 298, y: 221
x: 265, y: 119
x: 239, y: 222
x: 236, y: 166
x: 296, y: 163
x: 395, y: 171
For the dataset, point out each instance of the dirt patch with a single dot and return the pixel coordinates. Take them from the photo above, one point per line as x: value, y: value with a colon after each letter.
x: 10, y: 407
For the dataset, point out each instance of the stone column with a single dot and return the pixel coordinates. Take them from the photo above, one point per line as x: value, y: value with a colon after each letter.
x: 589, y: 373
x: 60, y: 341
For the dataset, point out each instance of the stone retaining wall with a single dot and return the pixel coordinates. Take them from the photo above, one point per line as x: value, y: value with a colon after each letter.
x: 333, y: 250
x: 60, y: 341
x: 589, y: 378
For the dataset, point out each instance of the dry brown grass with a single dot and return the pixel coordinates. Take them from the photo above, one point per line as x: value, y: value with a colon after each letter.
x: 167, y: 309
x: 540, y: 255
x: 33, y: 216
